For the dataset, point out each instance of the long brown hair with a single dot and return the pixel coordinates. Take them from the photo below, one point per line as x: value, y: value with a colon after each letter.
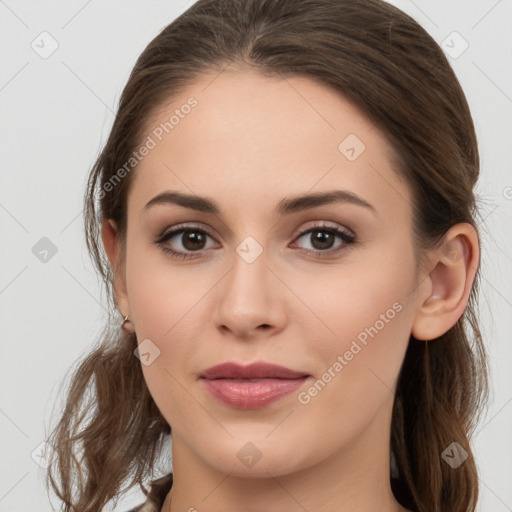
x: 395, y: 73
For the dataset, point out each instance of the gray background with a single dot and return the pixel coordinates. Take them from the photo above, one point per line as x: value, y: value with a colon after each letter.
x: 56, y: 113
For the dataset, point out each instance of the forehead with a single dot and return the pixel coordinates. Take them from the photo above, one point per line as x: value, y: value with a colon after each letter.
x: 249, y: 139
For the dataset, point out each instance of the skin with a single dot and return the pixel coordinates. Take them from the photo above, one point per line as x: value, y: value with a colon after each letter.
x: 250, y: 142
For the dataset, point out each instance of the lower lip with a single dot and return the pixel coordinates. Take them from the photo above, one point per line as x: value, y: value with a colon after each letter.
x: 251, y: 395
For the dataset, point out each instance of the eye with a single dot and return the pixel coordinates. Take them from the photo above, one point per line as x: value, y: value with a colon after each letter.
x: 322, y: 238
x: 193, y: 239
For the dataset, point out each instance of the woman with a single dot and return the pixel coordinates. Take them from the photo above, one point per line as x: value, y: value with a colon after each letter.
x: 284, y: 217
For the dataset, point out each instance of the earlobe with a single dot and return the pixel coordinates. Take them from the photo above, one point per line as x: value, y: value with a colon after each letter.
x: 449, y: 283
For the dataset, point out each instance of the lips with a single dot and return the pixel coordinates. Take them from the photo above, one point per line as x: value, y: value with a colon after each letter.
x: 259, y: 370
x: 253, y: 386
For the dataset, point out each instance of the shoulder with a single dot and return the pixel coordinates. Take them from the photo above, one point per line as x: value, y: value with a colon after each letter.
x: 156, y: 496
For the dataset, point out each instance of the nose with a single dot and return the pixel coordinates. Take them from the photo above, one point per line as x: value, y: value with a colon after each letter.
x: 250, y: 300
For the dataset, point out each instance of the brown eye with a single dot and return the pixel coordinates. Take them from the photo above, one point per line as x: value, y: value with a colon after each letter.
x: 323, y: 238
x: 192, y: 239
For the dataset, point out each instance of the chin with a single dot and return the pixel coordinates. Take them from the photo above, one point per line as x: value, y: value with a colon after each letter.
x: 253, y: 457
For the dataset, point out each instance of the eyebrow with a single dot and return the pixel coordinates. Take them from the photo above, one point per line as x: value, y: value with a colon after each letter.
x: 284, y: 207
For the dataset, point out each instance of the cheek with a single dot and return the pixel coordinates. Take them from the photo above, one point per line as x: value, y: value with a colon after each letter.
x: 162, y: 302
x: 161, y: 293
x: 368, y: 292
x: 358, y: 365
x: 165, y: 303
x: 366, y: 308
x: 371, y: 316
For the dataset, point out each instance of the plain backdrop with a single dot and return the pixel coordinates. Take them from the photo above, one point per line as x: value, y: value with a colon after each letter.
x: 55, y: 115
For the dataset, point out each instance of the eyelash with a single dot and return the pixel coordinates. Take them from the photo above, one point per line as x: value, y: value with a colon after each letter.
x: 347, y: 237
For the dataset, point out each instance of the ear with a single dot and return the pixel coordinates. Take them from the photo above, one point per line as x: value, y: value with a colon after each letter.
x: 111, y: 245
x: 444, y: 293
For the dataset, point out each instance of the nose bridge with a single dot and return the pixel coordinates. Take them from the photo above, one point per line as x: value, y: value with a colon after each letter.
x: 248, y: 298
x: 248, y: 280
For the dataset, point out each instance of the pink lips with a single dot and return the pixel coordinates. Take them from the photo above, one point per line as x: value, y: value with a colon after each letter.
x: 253, y: 386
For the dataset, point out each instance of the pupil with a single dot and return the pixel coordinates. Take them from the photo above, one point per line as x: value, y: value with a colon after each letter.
x: 194, y: 238
x: 324, y: 238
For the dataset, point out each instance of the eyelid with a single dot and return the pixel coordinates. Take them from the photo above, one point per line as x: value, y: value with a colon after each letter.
x: 301, y: 231
x: 324, y: 224
x: 185, y: 225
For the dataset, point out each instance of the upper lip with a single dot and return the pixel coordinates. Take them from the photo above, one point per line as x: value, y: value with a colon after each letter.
x: 258, y: 370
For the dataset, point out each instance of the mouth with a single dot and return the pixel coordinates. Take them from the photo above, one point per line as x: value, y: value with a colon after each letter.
x: 253, y: 386
x: 258, y: 370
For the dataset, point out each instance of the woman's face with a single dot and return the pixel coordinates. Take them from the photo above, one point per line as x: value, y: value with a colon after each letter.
x: 258, y: 286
